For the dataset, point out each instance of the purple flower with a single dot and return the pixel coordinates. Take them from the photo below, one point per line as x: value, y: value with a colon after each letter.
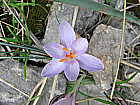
x: 67, y: 100
x: 70, y: 55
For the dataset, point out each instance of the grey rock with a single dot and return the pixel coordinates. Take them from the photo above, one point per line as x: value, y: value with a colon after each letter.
x: 86, y: 19
x: 105, y: 44
x: 59, y: 12
x: 10, y: 71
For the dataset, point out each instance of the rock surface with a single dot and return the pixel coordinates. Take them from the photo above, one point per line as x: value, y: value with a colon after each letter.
x: 10, y: 71
x: 58, y: 13
x: 105, y: 44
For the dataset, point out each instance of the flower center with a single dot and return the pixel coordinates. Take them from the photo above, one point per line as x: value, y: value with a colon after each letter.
x: 69, y: 55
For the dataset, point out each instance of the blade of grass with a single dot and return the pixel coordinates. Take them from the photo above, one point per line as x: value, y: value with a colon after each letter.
x: 22, y: 54
x: 40, y: 90
x: 85, y: 81
x: 34, y: 91
x: 22, y: 46
x: 31, y: 54
x: 13, y: 13
x: 12, y: 33
x: 34, y: 98
x: 125, y: 81
x: 131, y: 101
x: 21, y: 4
x: 22, y: 57
x: 53, y: 89
x: 95, y: 98
x: 15, y: 4
x: 11, y: 52
x: 25, y: 27
x: 7, y: 39
x: 28, y: 33
x: 121, y: 95
x: 131, y: 65
x: 121, y: 50
x: 90, y: 4
x: 9, y: 25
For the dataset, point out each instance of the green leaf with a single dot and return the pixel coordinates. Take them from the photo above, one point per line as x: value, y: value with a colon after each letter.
x: 70, y: 86
x: 10, y: 39
x: 104, y: 101
x: 87, y: 80
x: 25, y: 67
x: 84, y: 94
x: 122, y: 95
x: 15, y: 4
x: 91, y: 4
x: 33, y: 98
x: 21, y: 4
x: 11, y: 52
x: 97, y: 99
x: 14, y: 35
x: 126, y: 81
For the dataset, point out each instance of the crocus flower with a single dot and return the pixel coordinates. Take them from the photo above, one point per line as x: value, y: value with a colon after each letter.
x: 67, y: 100
x: 70, y: 55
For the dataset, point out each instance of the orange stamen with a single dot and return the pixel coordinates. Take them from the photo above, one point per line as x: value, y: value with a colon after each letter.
x: 65, y: 49
x: 68, y: 57
x: 73, y: 56
x: 62, y: 60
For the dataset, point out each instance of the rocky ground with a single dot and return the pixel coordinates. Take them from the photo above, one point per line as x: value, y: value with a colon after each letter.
x: 104, y: 42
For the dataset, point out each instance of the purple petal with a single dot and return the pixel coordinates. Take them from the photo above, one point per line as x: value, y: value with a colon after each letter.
x: 65, y: 101
x: 54, y: 67
x: 80, y: 45
x: 67, y: 34
x: 54, y: 50
x: 90, y: 63
x: 72, y: 70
